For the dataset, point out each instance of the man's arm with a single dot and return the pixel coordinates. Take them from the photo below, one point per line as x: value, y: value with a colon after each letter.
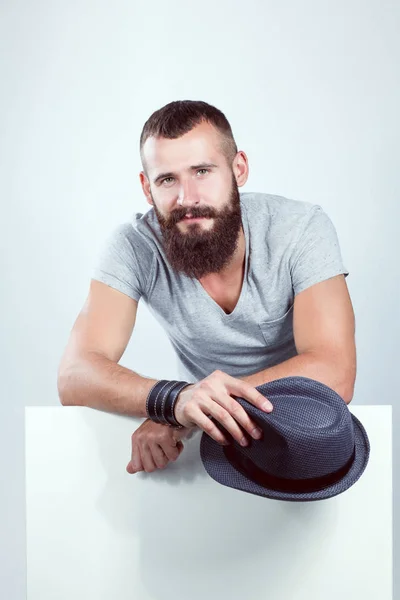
x: 324, y: 334
x: 88, y: 374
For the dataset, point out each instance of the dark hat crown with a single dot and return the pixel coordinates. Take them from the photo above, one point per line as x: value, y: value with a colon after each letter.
x: 308, y: 434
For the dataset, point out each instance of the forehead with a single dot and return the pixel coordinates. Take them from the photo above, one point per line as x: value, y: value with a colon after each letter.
x: 201, y: 144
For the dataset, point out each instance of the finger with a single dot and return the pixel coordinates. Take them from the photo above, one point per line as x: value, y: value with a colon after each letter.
x: 239, y: 415
x: 204, y: 422
x: 172, y: 451
x: 159, y: 457
x: 223, y: 416
x: 242, y: 389
x: 147, y: 459
x: 135, y: 465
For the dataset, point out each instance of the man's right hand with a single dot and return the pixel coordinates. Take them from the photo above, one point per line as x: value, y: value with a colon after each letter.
x: 212, y: 397
x: 154, y: 446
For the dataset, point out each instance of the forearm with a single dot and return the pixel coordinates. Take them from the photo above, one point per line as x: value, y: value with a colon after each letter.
x: 97, y: 382
x: 321, y: 368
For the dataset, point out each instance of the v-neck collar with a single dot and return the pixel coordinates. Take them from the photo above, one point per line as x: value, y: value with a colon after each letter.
x: 243, y: 291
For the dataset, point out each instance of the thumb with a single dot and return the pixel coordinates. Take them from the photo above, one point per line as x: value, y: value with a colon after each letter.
x: 176, y: 439
x: 179, y: 445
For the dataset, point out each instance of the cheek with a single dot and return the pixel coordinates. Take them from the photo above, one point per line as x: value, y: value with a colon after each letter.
x: 213, y: 190
x: 166, y: 200
x: 162, y: 202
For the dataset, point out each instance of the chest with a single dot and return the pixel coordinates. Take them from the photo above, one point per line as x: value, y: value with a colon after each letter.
x: 225, y: 293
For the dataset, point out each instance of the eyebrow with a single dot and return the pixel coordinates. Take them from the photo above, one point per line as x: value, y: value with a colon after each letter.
x: 192, y: 168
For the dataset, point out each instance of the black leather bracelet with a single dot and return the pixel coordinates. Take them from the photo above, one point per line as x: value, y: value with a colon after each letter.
x: 148, y: 399
x: 160, y: 402
x: 168, y: 403
x: 151, y: 408
x: 169, y: 411
x: 161, y: 399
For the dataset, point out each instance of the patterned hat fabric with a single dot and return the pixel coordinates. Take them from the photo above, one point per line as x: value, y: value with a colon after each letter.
x: 312, y: 447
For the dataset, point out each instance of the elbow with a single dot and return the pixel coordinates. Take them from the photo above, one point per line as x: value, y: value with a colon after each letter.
x: 347, y: 396
x: 64, y: 388
x: 62, y: 396
x: 346, y: 390
x: 345, y: 377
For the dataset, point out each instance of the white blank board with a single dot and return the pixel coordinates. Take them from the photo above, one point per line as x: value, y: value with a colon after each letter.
x: 96, y: 532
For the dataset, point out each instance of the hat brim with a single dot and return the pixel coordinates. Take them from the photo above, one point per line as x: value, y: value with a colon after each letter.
x: 221, y: 470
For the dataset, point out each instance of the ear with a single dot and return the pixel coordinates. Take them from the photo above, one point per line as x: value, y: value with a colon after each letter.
x: 145, y: 187
x: 240, y: 168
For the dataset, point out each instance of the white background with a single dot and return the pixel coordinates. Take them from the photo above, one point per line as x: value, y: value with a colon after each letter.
x: 312, y: 91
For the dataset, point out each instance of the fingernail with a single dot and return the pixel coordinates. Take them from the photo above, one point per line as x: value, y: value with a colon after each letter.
x: 256, y: 433
x: 267, y: 406
x: 243, y: 442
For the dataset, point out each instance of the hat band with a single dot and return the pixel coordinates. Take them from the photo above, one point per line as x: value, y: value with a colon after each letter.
x: 314, y: 484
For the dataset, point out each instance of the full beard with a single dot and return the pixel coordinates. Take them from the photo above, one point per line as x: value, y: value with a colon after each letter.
x: 195, y: 252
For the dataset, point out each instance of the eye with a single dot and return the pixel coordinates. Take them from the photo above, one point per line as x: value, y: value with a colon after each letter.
x: 166, y: 179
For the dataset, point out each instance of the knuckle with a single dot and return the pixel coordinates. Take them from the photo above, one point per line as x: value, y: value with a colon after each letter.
x: 223, y: 415
x: 235, y: 409
x: 217, y: 373
x: 135, y: 460
x: 204, y: 385
x: 209, y: 427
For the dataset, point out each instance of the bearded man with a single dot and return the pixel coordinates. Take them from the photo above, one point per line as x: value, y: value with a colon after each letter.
x: 249, y: 287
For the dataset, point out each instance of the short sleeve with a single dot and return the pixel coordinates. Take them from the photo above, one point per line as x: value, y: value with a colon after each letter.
x: 316, y: 255
x: 118, y: 264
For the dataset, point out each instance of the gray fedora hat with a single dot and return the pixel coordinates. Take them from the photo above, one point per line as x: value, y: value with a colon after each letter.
x: 312, y: 446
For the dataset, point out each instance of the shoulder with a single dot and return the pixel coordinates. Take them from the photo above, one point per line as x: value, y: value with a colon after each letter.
x: 276, y: 219
x: 128, y: 240
x: 275, y: 208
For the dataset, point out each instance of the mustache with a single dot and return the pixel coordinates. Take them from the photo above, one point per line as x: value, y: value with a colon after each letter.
x: 197, y: 212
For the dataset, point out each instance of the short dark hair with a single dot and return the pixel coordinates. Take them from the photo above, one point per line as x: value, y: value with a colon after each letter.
x: 179, y: 117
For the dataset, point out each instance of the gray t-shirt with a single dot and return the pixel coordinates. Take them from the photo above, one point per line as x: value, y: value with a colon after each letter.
x: 290, y: 245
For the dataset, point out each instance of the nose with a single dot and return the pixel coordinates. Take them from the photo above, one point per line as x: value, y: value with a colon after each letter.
x: 188, y: 195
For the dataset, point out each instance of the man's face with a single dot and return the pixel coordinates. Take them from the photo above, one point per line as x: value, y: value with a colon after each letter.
x: 196, y: 200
